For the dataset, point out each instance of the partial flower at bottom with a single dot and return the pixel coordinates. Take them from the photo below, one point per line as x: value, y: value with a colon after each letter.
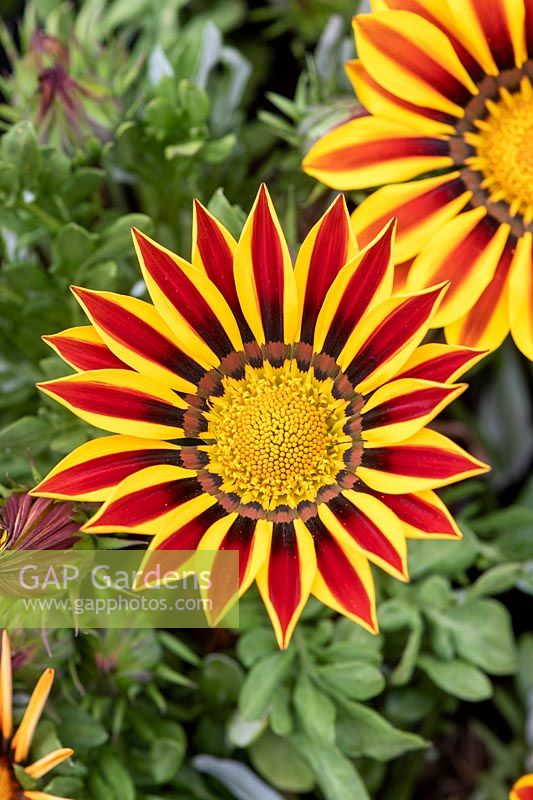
x: 15, y: 747
x: 523, y: 789
x: 277, y: 412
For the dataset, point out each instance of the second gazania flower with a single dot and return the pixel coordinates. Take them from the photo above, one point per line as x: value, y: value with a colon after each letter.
x: 281, y: 413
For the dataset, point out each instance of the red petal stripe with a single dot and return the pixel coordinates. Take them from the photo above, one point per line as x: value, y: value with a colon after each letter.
x: 184, y: 296
x: 413, y: 510
x: 359, y: 293
x: 493, y: 21
x: 479, y: 316
x: 341, y: 578
x: 268, y: 269
x: 329, y: 255
x: 416, y: 461
x: 217, y: 259
x: 440, y: 368
x: 284, y: 583
x: 150, y: 502
x: 420, y: 8
x: 109, y: 470
x: 458, y: 262
x: 409, y: 406
x: 134, y: 333
x: 410, y: 213
x: 240, y: 537
x: 415, y: 59
x: 391, y: 335
x: 85, y: 355
x: 364, y: 531
x: 367, y: 153
x: 529, y: 27
x: 189, y: 535
x: 524, y: 793
x: 111, y: 401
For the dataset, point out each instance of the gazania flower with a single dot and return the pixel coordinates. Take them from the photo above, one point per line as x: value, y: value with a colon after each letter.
x: 277, y: 412
x: 448, y: 88
x: 523, y: 789
x: 28, y: 523
x: 15, y: 748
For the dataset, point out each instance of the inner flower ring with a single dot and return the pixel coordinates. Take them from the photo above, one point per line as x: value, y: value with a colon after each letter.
x: 276, y: 435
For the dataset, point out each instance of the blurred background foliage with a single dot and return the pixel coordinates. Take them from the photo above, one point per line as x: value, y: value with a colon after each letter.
x: 117, y: 113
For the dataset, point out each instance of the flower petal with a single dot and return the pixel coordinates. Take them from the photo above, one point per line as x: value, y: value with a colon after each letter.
x: 144, y: 501
x: 382, y: 103
x: 189, y: 302
x: 42, y: 796
x: 343, y: 579
x: 487, y: 324
x: 286, y: 577
x: 213, y: 249
x: 359, y: 286
x: 94, y: 469
x: 494, y: 36
x: 48, y: 762
x: 523, y: 789
x: 264, y: 275
x: 369, y: 151
x: 413, y: 59
x: 22, y: 739
x: 250, y: 540
x: 442, y: 363
x: 121, y: 401
x: 399, y: 409
x: 425, y: 461
x: 421, y: 208
x: 6, y: 689
x: 360, y: 520
x: 327, y: 248
x: 387, y: 336
x: 438, y: 13
x: 466, y: 252
x: 83, y: 349
x: 521, y: 296
x: 423, y: 515
x: 135, y: 332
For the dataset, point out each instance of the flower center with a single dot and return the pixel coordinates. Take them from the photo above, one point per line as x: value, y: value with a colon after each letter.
x: 278, y: 435
x: 9, y: 789
x: 503, y: 146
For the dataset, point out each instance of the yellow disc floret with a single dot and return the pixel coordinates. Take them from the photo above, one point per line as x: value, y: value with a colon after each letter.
x: 504, y: 149
x: 277, y: 435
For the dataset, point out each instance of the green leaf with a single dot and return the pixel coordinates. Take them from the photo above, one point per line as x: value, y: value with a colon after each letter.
x: 115, y: 774
x: 361, y: 731
x: 25, y: 433
x: 74, y: 245
x: 79, y: 729
x: 353, y: 679
x: 281, y: 720
x: 221, y: 681
x: 166, y: 755
x: 499, y: 579
x: 232, y: 217
x: 262, y: 681
x: 457, y: 678
x: 335, y: 774
x: 255, y: 644
x: 20, y: 148
x: 483, y: 635
x: 315, y: 710
x: 281, y: 764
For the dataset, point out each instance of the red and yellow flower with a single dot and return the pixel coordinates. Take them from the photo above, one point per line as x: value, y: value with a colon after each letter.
x: 15, y: 748
x: 523, y: 789
x: 281, y: 413
x: 447, y: 84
